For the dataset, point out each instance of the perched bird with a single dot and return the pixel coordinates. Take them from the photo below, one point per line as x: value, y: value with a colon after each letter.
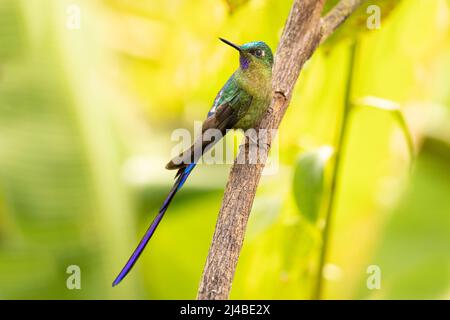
x: 240, y: 104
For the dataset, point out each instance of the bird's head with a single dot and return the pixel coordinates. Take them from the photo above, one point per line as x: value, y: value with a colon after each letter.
x: 256, y: 54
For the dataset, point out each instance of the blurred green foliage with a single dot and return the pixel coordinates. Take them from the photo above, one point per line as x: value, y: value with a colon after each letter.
x: 86, y: 117
x: 309, y: 181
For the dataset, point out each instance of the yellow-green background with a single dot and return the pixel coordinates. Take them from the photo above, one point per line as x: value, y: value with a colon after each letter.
x: 85, y: 123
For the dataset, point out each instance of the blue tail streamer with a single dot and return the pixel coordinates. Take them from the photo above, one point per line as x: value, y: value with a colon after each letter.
x: 184, y: 174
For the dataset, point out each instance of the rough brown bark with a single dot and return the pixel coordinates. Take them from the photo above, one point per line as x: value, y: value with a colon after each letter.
x: 337, y: 16
x: 303, y: 32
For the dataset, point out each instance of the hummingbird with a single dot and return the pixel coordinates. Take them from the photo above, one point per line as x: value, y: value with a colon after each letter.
x: 240, y: 104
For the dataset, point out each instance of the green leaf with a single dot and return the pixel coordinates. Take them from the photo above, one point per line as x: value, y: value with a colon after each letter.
x: 394, y: 109
x: 309, y: 181
x: 413, y: 253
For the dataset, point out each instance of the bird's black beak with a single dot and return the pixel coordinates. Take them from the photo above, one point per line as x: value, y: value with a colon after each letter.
x: 231, y: 44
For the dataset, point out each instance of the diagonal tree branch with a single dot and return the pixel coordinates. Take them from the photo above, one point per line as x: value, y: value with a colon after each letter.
x: 337, y: 16
x: 303, y: 32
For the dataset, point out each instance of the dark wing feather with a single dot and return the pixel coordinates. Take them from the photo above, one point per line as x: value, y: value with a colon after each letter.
x: 230, y: 105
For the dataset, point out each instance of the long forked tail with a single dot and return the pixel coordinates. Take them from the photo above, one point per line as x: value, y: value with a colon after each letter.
x: 181, y: 179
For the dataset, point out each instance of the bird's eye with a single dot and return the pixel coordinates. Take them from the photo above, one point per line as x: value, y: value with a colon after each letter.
x: 259, y: 53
